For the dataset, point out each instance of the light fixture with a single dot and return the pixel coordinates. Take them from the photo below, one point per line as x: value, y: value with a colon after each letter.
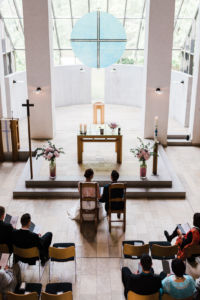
x: 38, y: 90
x: 82, y: 69
x: 18, y: 81
x: 113, y: 70
x: 158, y: 91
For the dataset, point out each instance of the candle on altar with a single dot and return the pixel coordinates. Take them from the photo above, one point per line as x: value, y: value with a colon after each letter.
x: 85, y: 127
x: 80, y: 127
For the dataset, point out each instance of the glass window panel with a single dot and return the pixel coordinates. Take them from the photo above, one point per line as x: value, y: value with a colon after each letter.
x: 61, y: 8
x: 15, y: 32
x: 57, y: 59
x: 20, y: 60
x: 117, y: 8
x: 7, y: 9
x: 110, y: 27
x: 86, y: 52
x: 110, y: 53
x: 86, y: 28
x: 189, y: 8
x: 64, y: 32
x: 177, y: 6
x: 55, y: 43
x: 98, y: 4
x: 180, y: 33
x: 127, y: 57
x: 79, y: 8
x: 20, y: 8
x: 139, y: 60
x: 176, y: 60
x: 132, y: 27
x: 134, y: 8
x: 142, y: 36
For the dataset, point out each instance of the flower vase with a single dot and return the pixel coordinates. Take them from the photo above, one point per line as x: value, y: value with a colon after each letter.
x: 52, y: 169
x: 143, y: 170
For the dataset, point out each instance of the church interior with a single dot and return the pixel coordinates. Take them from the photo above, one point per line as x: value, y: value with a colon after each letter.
x: 99, y: 149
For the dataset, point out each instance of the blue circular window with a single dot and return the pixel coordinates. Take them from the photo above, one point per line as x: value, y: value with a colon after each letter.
x: 98, y: 39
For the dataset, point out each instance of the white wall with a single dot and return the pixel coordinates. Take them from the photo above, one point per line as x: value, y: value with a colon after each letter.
x: 180, y: 97
x: 16, y: 94
x: 124, y: 85
x: 71, y: 85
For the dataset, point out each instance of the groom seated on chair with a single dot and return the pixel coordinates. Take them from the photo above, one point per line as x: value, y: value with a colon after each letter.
x: 24, y: 238
x: 116, y: 193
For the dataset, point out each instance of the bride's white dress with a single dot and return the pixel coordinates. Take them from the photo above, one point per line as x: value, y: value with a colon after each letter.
x: 74, y: 212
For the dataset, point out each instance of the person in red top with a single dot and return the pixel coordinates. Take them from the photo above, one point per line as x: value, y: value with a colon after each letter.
x: 184, y: 241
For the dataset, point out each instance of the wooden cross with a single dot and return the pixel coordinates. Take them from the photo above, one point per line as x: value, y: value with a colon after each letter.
x: 28, y: 105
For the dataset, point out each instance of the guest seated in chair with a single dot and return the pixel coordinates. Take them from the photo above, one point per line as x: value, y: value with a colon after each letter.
x: 5, y: 230
x: 117, y: 193
x: 179, y: 285
x: 74, y: 212
x: 185, y: 241
x: 145, y: 283
x: 10, y: 278
x: 24, y: 238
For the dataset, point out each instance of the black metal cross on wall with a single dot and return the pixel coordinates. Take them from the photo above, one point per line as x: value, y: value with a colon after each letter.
x: 28, y: 105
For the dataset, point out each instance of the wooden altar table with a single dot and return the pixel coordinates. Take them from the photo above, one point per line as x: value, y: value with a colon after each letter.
x: 97, y: 138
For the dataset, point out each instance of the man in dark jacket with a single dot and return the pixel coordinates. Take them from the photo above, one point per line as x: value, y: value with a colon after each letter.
x: 116, y: 193
x: 24, y: 238
x: 5, y: 230
x: 144, y: 283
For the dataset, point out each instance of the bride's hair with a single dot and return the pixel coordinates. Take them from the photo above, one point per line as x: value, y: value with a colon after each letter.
x: 88, y: 173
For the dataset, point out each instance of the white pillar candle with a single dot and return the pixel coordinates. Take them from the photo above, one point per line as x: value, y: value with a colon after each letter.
x: 80, y: 127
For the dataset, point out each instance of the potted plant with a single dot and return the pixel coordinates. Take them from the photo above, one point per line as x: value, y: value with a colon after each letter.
x: 50, y: 153
x: 143, y: 153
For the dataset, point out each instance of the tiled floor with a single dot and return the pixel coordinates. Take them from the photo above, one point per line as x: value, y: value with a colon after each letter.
x: 98, y: 255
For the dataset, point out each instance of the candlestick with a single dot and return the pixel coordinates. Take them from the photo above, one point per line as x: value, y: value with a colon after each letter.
x: 85, y: 128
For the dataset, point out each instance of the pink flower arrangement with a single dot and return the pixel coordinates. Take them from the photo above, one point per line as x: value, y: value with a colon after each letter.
x: 113, y: 125
x: 49, y: 153
x: 143, y: 151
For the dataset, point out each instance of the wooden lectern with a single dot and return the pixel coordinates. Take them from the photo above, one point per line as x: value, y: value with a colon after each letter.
x: 9, y: 138
x: 100, y: 106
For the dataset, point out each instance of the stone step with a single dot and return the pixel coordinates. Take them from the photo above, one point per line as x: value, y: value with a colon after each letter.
x: 178, y: 142
x: 70, y: 182
x: 72, y: 193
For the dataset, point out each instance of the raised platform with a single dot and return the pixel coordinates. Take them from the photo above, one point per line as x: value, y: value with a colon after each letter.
x: 165, y: 185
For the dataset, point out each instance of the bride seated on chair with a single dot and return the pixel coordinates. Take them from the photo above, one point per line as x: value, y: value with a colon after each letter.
x: 74, y: 212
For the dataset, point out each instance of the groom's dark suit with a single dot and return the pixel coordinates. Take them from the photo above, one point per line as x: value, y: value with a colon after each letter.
x: 115, y: 193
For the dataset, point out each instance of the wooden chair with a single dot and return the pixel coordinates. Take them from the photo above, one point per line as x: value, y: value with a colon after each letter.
x: 29, y: 253
x: 163, y: 252
x: 4, y: 248
x: 65, y: 252
x: 134, y: 296
x: 63, y: 296
x: 112, y: 200
x: 30, y: 296
x: 192, y: 250
x: 131, y: 251
x: 135, y: 252
x: 168, y: 297
x: 94, y: 199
